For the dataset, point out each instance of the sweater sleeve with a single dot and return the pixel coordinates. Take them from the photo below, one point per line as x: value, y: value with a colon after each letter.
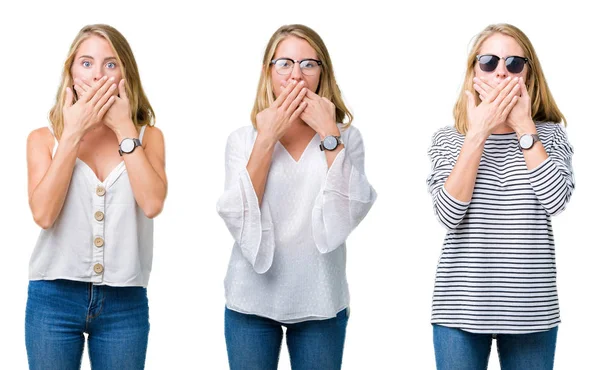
x: 249, y: 224
x: 345, y: 197
x: 448, y: 210
x: 552, y: 180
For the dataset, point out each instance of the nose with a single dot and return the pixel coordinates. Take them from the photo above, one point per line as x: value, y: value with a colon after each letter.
x: 97, y: 73
x: 501, y: 72
x: 296, y: 73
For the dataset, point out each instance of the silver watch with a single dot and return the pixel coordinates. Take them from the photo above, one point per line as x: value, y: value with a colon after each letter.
x: 128, y: 145
x: 526, y: 141
x: 330, y: 142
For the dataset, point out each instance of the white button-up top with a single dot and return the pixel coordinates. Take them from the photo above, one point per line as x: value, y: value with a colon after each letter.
x: 289, y: 257
x: 100, y: 236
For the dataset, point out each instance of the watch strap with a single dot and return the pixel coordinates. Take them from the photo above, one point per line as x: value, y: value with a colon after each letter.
x: 136, y: 143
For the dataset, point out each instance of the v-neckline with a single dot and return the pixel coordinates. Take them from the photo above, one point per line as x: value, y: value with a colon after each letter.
x: 303, y: 152
x: 104, y: 182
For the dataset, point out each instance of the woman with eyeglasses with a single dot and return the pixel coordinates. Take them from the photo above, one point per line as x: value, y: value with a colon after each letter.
x: 96, y: 180
x: 497, y: 178
x: 295, y: 187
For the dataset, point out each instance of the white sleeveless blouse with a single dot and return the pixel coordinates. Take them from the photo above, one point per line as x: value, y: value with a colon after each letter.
x: 100, y: 236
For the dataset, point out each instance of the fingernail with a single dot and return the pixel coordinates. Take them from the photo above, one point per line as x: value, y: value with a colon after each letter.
x: 301, y: 82
x: 112, y: 78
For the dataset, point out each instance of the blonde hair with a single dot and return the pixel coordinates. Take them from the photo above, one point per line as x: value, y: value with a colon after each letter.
x: 141, y: 111
x: 543, y: 106
x: 327, y: 88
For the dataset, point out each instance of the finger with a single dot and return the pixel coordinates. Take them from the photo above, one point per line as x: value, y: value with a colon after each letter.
x: 79, y: 90
x: 292, y: 95
x: 83, y: 83
x: 296, y: 102
x: 483, y: 83
x: 481, y: 91
x: 298, y: 111
x: 509, y: 107
x: 122, y: 90
x: 498, y: 89
x: 524, y: 92
x: 108, y: 84
x: 506, y: 90
x: 470, y: 100
x: 104, y: 98
x: 312, y: 95
x: 284, y: 94
x: 106, y: 106
x: 68, y: 98
x: 89, y: 94
x: 508, y: 98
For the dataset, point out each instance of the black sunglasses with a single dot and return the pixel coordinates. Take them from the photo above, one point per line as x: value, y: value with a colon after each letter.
x: 489, y: 62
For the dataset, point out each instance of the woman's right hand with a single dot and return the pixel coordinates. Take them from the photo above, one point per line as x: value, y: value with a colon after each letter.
x: 493, y: 109
x: 273, y: 122
x: 89, y: 109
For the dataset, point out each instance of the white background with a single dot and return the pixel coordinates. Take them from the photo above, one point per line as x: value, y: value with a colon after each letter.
x: 400, y: 69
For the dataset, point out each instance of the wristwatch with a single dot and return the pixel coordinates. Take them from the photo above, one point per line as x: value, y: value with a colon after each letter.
x: 331, y: 142
x: 526, y: 141
x: 128, y: 145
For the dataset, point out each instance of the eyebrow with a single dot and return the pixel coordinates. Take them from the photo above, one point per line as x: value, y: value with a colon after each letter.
x: 91, y: 57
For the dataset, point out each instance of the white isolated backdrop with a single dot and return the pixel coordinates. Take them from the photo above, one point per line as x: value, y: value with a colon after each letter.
x: 400, y: 67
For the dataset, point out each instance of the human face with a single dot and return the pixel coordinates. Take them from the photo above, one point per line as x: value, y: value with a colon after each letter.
x: 297, y: 49
x: 95, y: 59
x: 502, y: 46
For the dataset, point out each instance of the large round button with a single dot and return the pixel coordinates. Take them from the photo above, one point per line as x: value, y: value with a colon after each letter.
x: 98, y: 268
x: 100, y: 191
x: 98, y: 242
x: 99, y: 216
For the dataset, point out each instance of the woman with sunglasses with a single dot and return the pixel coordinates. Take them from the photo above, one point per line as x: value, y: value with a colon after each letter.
x: 96, y: 180
x: 497, y: 178
x: 295, y: 188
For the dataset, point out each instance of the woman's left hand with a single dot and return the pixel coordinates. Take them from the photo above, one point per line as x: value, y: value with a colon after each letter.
x: 519, y: 118
x: 118, y: 117
x: 319, y: 114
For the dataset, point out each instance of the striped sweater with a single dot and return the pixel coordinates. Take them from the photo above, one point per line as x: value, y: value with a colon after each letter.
x: 497, y: 272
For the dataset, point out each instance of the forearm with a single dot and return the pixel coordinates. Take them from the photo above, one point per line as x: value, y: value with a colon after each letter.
x: 149, y: 188
x: 537, y: 153
x: 47, y: 198
x: 461, y: 181
x: 259, y: 164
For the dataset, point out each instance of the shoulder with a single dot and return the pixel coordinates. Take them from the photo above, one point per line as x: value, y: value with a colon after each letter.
x: 448, y: 137
x: 549, y: 129
x: 153, y: 137
x: 349, y: 133
x: 41, y: 138
x: 242, y: 134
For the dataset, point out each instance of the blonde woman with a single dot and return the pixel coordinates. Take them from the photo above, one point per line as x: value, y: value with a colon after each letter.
x: 295, y: 188
x: 498, y: 176
x: 96, y: 180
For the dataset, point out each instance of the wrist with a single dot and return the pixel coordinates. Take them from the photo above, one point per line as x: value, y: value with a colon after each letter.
x: 330, y: 130
x: 527, y: 127
x: 476, y: 137
x: 265, y: 142
x: 128, y: 131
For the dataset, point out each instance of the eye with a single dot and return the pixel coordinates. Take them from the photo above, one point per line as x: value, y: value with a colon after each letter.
x: 283, y: 63
x: 111, y: 65
x: 86, y: 63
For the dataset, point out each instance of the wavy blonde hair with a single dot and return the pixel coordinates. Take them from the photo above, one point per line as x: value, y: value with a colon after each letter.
x: 327, y: 88
x: 141, y: 111
x: 543, y: 106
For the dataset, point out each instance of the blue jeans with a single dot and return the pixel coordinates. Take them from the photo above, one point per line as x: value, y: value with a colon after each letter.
x: 456, y: 349
x: 59, y: 312
x: 254, y: 342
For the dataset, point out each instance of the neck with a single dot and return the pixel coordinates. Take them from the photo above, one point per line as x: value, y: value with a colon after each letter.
x: 503, y: 129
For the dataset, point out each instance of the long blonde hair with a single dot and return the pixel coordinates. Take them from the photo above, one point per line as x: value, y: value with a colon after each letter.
x: 328, y: 87
x: 543, y: 106
x: 141, y: 111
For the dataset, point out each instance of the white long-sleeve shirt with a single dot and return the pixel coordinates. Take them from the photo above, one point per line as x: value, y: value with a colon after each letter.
x: 497, y: 272
x: 289, y: 256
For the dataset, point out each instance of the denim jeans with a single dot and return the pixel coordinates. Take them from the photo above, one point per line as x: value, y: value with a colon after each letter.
x: 254, y: 342
x: 457, y: 349
x: 59, y: 312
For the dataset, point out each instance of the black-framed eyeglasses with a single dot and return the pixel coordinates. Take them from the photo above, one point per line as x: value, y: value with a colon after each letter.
x: 309, y: 67
x: 489, y: 62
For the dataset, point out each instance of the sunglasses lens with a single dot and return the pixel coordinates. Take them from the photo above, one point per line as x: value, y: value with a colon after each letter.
x: 488, y: 63
x: 515, y: 64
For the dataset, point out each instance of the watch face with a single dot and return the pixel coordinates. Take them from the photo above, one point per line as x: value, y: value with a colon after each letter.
x: 526, y: 141
x: 127, y: 146
x: 330, y: 143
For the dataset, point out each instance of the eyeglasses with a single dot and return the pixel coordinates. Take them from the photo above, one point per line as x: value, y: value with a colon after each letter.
x: 309, y: 67
x: 489, y: 62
